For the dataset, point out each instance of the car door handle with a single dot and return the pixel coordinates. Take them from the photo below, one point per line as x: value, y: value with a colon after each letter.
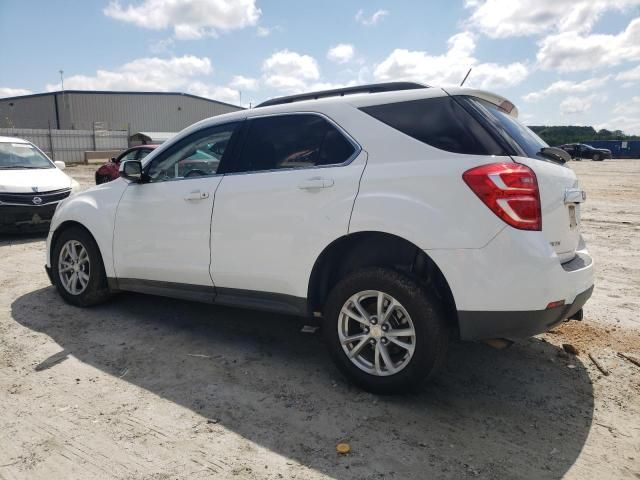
x: 196, y: 195
x: 316, y: 182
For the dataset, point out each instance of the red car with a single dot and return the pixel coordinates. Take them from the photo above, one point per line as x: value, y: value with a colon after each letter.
x: 203, y: 161
x: 110, y: 171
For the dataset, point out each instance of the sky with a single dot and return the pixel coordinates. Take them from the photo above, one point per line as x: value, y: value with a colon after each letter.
x: 562, y: 62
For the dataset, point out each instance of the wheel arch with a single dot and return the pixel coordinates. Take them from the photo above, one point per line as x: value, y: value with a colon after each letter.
x: 66, y: 225
x: 376, y: 249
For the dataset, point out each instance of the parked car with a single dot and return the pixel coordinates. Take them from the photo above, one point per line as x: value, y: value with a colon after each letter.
x: 31, y: 186
x: 581, y: 150
x: 397, y: 219
x: 202, y: 162
x: 109, y: 171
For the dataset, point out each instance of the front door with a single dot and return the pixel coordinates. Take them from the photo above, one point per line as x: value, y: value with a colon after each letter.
x: 162, y: 228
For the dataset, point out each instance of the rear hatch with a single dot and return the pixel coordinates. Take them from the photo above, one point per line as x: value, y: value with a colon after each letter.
x: 560, y: 193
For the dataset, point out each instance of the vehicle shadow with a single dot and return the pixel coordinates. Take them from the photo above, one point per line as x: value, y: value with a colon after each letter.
x: 516, y: 413
x: 8, y: 239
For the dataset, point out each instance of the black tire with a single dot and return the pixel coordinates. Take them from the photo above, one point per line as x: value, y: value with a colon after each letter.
x: 431, y: 335
x: 597, y: 157
x: 97, y: 290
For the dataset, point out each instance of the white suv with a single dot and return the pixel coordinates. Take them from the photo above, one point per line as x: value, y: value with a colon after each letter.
x: 400, y: 214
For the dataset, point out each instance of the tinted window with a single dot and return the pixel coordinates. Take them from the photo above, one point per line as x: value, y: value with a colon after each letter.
x: 197, y: 155
x: 510, y: 128
x: 292, y: 141
x: 440, y: 122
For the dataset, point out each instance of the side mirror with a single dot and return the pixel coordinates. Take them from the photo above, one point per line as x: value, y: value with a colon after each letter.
x: 60, y: 165
x: 131, y: 170
x: 113, y: 159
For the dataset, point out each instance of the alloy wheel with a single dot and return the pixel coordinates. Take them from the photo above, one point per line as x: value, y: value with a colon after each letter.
x: 74, y: 267
x: 376, y: 333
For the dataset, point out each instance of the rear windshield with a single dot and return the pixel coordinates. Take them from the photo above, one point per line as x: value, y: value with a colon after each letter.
x: 440, y: 122
x: 518, y: 135
x: 21, y: 156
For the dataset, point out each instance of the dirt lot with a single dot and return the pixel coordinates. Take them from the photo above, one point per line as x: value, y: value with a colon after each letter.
x: 153, y: 388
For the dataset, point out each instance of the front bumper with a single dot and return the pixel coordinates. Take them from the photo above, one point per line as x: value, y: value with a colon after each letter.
x: 517, y: 324
x: 26, y: 218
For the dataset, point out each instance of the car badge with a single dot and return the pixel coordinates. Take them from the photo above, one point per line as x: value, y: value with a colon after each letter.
x: 35, y: 189
x: 36, y: 200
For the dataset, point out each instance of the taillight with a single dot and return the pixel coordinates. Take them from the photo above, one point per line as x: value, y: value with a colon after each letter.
x: 510, y: 190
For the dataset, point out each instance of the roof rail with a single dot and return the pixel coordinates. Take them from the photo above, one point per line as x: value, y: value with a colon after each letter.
x: 341, y: 92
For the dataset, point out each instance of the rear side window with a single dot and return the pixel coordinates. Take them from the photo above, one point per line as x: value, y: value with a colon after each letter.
x: 292, y: 141
x: 440, y: 122
x: 511, y: 130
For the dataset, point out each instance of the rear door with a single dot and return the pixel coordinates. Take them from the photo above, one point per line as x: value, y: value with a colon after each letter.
x: 289, y: 193
x: 560, y: 192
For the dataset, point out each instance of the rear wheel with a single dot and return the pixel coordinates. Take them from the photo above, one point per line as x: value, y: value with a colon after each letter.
x: 77, y: 268
x: 384, y: 331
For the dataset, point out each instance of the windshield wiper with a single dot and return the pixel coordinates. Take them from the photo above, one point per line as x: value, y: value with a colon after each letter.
x: 555, y: 154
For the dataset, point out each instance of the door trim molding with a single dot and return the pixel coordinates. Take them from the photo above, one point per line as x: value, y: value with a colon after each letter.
x: 233, y: 297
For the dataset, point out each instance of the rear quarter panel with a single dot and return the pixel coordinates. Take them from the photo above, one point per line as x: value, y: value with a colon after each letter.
x: 416, y: 191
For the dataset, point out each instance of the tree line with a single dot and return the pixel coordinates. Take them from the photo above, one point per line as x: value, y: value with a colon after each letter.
x: 575, y: 134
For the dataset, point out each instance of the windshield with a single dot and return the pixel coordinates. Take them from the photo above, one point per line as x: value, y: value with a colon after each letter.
x: 511, y: 129
x: 21, y: 156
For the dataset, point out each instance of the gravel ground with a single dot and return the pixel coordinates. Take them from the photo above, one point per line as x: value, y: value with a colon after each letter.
x: 153, y: 388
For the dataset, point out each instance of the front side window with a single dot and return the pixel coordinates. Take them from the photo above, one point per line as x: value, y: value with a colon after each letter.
x: 195, y: 156
x: 440, y: 122
x: 292, y: 141
x: 21, y: 156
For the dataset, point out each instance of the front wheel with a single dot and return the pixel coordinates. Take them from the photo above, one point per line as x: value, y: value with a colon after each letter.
x: 384, y: 331
x: 77, y: 268
x: 597, y: 157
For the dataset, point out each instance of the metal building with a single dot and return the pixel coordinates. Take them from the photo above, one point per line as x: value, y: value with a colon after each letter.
x: 88, y: 110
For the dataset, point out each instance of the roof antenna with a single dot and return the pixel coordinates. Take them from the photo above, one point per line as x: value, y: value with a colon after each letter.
x: 465, y: 77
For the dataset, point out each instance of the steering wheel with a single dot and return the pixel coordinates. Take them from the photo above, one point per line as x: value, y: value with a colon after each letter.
x: 194, y: 172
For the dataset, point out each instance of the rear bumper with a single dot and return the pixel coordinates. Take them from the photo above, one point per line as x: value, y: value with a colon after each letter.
x: 517, y: 324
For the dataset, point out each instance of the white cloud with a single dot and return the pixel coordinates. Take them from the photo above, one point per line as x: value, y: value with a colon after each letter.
x: 371, y: 20
x: 577, y: 105
x: 630, y: 107
x: 159, y: 75
x: 573, y: 51
x: 629, y: 125
x: 511, y: 18
x: 189, y: 19
x: 290, y: 71
x: 263, y: 31
x: 341, y: 53
x: 154, y: 74
x: 215, y: 92
x: 449, y: 68
x: 240, y: 82
x: 13, y: 92
x: 566, y: 86
x: 630, y: 77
